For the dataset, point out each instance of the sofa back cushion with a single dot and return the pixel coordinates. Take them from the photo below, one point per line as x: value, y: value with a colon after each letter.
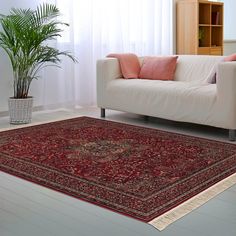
x: 158, y: 68
x: 195, y: 67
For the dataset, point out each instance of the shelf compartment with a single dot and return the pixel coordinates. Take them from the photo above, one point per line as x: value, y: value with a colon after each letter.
x: 216, y: 36
x: 204, y: 36
x: 216, y: 14
x: 204, y: 13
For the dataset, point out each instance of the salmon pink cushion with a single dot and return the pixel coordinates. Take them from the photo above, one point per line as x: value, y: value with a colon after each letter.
x: 158, y: 68
x: 230, y: 57
x: 129, y: 64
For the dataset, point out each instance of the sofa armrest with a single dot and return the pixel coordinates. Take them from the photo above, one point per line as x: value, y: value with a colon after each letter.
x: 108, y: 69
x: 226, y: 93
x: 226, y: 82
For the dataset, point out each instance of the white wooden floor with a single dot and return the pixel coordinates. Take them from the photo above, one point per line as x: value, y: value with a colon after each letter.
x: 28, y: 209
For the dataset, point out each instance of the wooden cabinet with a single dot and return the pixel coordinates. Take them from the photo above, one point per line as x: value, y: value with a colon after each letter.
x: 199, y: 27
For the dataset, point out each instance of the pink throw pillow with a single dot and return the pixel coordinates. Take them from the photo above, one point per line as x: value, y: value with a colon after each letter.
x: 129, y: 64
x: 230, y: 57
x: 158, y: 68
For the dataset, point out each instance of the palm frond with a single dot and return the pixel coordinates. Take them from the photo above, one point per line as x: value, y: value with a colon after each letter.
x: 24, y: 35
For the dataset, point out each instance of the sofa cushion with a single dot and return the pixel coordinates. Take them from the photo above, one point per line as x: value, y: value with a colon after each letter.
x: 195, y: 67
x: 177, y: 99
x: 158, y: 68
x: 129, y: 64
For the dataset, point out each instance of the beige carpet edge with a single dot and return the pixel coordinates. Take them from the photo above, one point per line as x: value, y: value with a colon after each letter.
x: 161, y: 222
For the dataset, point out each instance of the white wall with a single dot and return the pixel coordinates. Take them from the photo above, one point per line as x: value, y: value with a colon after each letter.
x: 229, y: 47
x: 6, y: 80
x: 229, y: 27
x: 229, y: 19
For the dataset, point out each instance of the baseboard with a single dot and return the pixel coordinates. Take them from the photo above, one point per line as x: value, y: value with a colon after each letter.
x: 4, y: 113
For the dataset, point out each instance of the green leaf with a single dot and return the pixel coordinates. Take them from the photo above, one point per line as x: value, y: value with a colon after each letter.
x: 24, y: 37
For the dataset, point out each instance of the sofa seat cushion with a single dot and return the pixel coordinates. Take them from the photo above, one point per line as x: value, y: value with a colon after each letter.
x: 171, y: 98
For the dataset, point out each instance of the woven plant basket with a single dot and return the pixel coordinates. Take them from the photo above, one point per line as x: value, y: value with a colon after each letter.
x: 20, y: 110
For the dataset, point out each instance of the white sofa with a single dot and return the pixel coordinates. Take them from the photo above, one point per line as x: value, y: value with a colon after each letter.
x: 189, y: 98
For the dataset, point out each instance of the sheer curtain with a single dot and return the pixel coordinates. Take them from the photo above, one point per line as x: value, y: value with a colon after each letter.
x: 100, y: 27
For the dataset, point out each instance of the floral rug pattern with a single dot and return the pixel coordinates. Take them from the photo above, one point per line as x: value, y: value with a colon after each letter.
x: 136, y: 171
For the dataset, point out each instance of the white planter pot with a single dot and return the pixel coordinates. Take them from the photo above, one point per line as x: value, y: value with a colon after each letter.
x: 20, y: 110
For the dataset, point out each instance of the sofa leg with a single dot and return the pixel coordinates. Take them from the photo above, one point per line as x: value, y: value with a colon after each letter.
x: 146, y: 118
x: 103, y: 112
x: 231, y: 135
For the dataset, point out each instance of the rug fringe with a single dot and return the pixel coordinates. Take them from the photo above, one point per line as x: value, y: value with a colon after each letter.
x: 161, y: 222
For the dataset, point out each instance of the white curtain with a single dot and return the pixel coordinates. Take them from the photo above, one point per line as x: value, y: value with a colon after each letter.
x: 100, y: 27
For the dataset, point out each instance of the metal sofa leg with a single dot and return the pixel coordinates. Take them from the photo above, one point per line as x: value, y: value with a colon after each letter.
x: 103, y: 112
x: 231, y: 135
x: 146, y: 118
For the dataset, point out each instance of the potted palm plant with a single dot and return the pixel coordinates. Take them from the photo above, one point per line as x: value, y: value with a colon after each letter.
x: 24, y: 37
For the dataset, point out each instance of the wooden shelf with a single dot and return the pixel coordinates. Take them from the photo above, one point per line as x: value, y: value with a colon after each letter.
x: 204, y: 24
x: 203, y: 34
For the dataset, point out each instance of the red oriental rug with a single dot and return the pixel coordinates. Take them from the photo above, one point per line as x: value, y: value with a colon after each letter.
x: 139, y: 172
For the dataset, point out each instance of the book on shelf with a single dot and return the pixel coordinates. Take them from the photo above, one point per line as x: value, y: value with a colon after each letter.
x: 215, y: 18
